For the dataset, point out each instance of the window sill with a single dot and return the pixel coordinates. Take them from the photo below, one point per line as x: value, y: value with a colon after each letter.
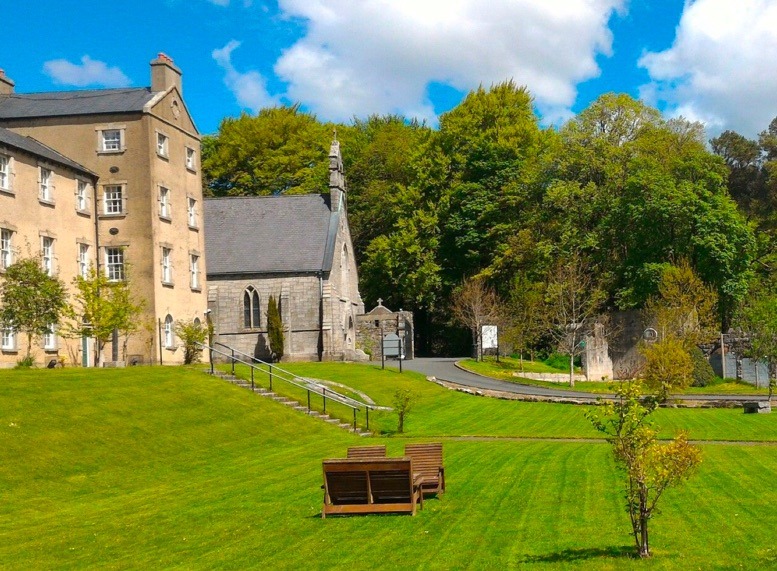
x: 191, y: 170
x: 46, y: 202
x: 114, y: 215
x: 194, y: 228
x: 9, y: 350
x: 171, y: 285
x: 163, y: 157
x: 165, y: 219
x: 84, y: 212
x: 8, y: 191
x: 172, y: 349
x: 53, y: 350
x: 196, y: 289
x: 108, y: 152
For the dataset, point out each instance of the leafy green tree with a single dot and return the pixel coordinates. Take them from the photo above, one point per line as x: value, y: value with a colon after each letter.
x: 31, y: 301
x: 100, y: 306
x: 281, y: 150
x: 193, y: 335
x: 649, y: 466
x: 402, y: 403
x: 274, y: 329
x: 757, y: 320
x: 668, y: 366
x: 525, y: 315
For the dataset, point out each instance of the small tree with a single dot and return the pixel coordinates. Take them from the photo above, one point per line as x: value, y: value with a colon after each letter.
x: 475, y: 305
x: 573, y: 304
x: 649, y: 466
x: 275, y: 329
x: 31, y: 301
x: 525, y: 310
x: 101, y: 306
x: 193, y: 335
x: 403, y: 404
x: 668, y: 367
x: 758, y: 320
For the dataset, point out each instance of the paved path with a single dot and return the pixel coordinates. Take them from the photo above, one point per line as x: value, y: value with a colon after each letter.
x: 444, y: 368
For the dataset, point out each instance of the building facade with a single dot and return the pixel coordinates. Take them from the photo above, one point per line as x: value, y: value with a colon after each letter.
x: 296, y: 248
x: 144, y: 148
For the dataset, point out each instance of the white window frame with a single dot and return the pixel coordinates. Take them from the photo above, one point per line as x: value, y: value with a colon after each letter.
x: 8, y: 339
x: 6, y: 248
x: 191, y: 159
x: 45, y: 184
x: 162, y: 144
x: 191, y: 211
x: 113, y: 199
x: 83, y: 260
x: 82, y: 195
x: 114, y: 264
x: 169, y: 340
x: 167, y: 265
x: 112, y: 144
x: 5, y: 172
x: 47, y: 254
x: 164, y: 202
x: 194, y: 271
x: 50, y: 339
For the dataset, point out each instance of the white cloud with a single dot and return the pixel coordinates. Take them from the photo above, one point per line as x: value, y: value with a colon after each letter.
x: 722, y: 66
x: 89, y: 72
x: 359, y: 57
x: 250, y: 88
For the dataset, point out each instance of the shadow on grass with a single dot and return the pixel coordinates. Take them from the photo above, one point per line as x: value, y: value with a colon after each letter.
x: 569, y: 555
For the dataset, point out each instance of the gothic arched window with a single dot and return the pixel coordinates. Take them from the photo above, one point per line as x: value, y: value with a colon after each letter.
x: 251, y: 312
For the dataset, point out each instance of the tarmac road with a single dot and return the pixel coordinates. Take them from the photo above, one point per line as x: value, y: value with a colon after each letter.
x: 444, y: 369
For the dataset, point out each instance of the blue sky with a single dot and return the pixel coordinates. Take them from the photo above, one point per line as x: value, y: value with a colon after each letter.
x: 708, y: 60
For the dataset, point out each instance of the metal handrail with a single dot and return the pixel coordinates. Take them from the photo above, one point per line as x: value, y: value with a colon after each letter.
x: 308, y: 385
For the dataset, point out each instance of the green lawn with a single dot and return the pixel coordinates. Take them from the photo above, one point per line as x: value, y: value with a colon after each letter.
x: 160, y: 468
x: 507, y: 369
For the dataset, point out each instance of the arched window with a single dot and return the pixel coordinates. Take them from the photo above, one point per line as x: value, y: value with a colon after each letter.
x: 169, y: 337
x: 197, y: 323
x: 251, y: 313
x: 345, y: 273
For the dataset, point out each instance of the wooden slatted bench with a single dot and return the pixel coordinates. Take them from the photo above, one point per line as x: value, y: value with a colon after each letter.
x: 427, y: 462
x: 370, y: 485
x: 378, y: 451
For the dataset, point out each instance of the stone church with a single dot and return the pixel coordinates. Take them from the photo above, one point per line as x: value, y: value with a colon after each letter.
x: 296, y: 248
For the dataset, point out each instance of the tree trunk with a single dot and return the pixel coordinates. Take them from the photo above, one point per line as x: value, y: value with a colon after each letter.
x: 644, y: 548
x: 571, y: 369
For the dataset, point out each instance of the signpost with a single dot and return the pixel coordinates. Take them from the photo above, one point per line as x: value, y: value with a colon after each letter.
x: 489, y: 339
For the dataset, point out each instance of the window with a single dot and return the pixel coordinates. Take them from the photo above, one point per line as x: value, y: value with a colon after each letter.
x: 161, y: 144
x: 8, y: 339
x: 164, y: 202
x: 81, y: 196
x: 191, y: 157
x: 191, y: 212
x: 47, y: 253
x: 83, y: 260
x: 167, y: 269
x: 6, y: 248
x: 194, y: 271
x: 114, y: 199
x: 169, y: 337
x: 5, y: 172
x: 251, y: 313
x: 50, y: 339
x: 114, y: 264
x: 111, y: 140
x: 45, y: 184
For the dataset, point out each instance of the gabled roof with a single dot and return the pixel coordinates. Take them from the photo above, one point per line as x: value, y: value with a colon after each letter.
x: 270, y: 234
x: 33, y: 147
x: 86, y: 102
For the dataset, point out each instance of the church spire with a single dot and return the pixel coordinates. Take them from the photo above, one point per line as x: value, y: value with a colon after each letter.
x: 337, y: 190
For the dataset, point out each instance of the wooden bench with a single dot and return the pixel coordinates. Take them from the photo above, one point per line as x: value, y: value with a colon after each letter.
x: 427, y: 462
x: 370, y: 485
x: 378, y: 451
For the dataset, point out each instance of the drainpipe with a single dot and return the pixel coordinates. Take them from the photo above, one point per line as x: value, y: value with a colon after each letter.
x: 320, y: 316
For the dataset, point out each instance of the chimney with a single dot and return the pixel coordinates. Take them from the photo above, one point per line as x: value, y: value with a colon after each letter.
x: 164, y: 74
x: 6, y: 85
x: 336, y: 176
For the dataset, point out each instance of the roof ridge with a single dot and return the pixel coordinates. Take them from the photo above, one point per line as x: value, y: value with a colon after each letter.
x: 96, y: 91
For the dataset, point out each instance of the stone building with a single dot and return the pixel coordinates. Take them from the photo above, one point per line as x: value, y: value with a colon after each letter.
x: 145, y: 148
x: 296, y: 248
x: 381, y: 323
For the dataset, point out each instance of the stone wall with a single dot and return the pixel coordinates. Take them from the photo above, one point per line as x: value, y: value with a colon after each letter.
x: 381, y: 319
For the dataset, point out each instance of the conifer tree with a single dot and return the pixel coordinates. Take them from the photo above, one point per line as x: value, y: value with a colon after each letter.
x: 275, y: 329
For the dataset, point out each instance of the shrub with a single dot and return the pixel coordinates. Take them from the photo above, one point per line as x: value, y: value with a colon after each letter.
x: 275, y: 329
x: 403, y: 403
x: 25, y: 363
x: 703, y: 374
x: 191, y: 333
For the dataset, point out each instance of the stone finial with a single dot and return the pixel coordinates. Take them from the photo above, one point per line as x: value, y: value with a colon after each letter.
x: 6, y: 84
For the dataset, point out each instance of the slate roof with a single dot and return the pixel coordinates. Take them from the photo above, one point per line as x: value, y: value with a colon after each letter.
x: 85, y: 102
x: 269, y: 234
x: 31, y: 146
